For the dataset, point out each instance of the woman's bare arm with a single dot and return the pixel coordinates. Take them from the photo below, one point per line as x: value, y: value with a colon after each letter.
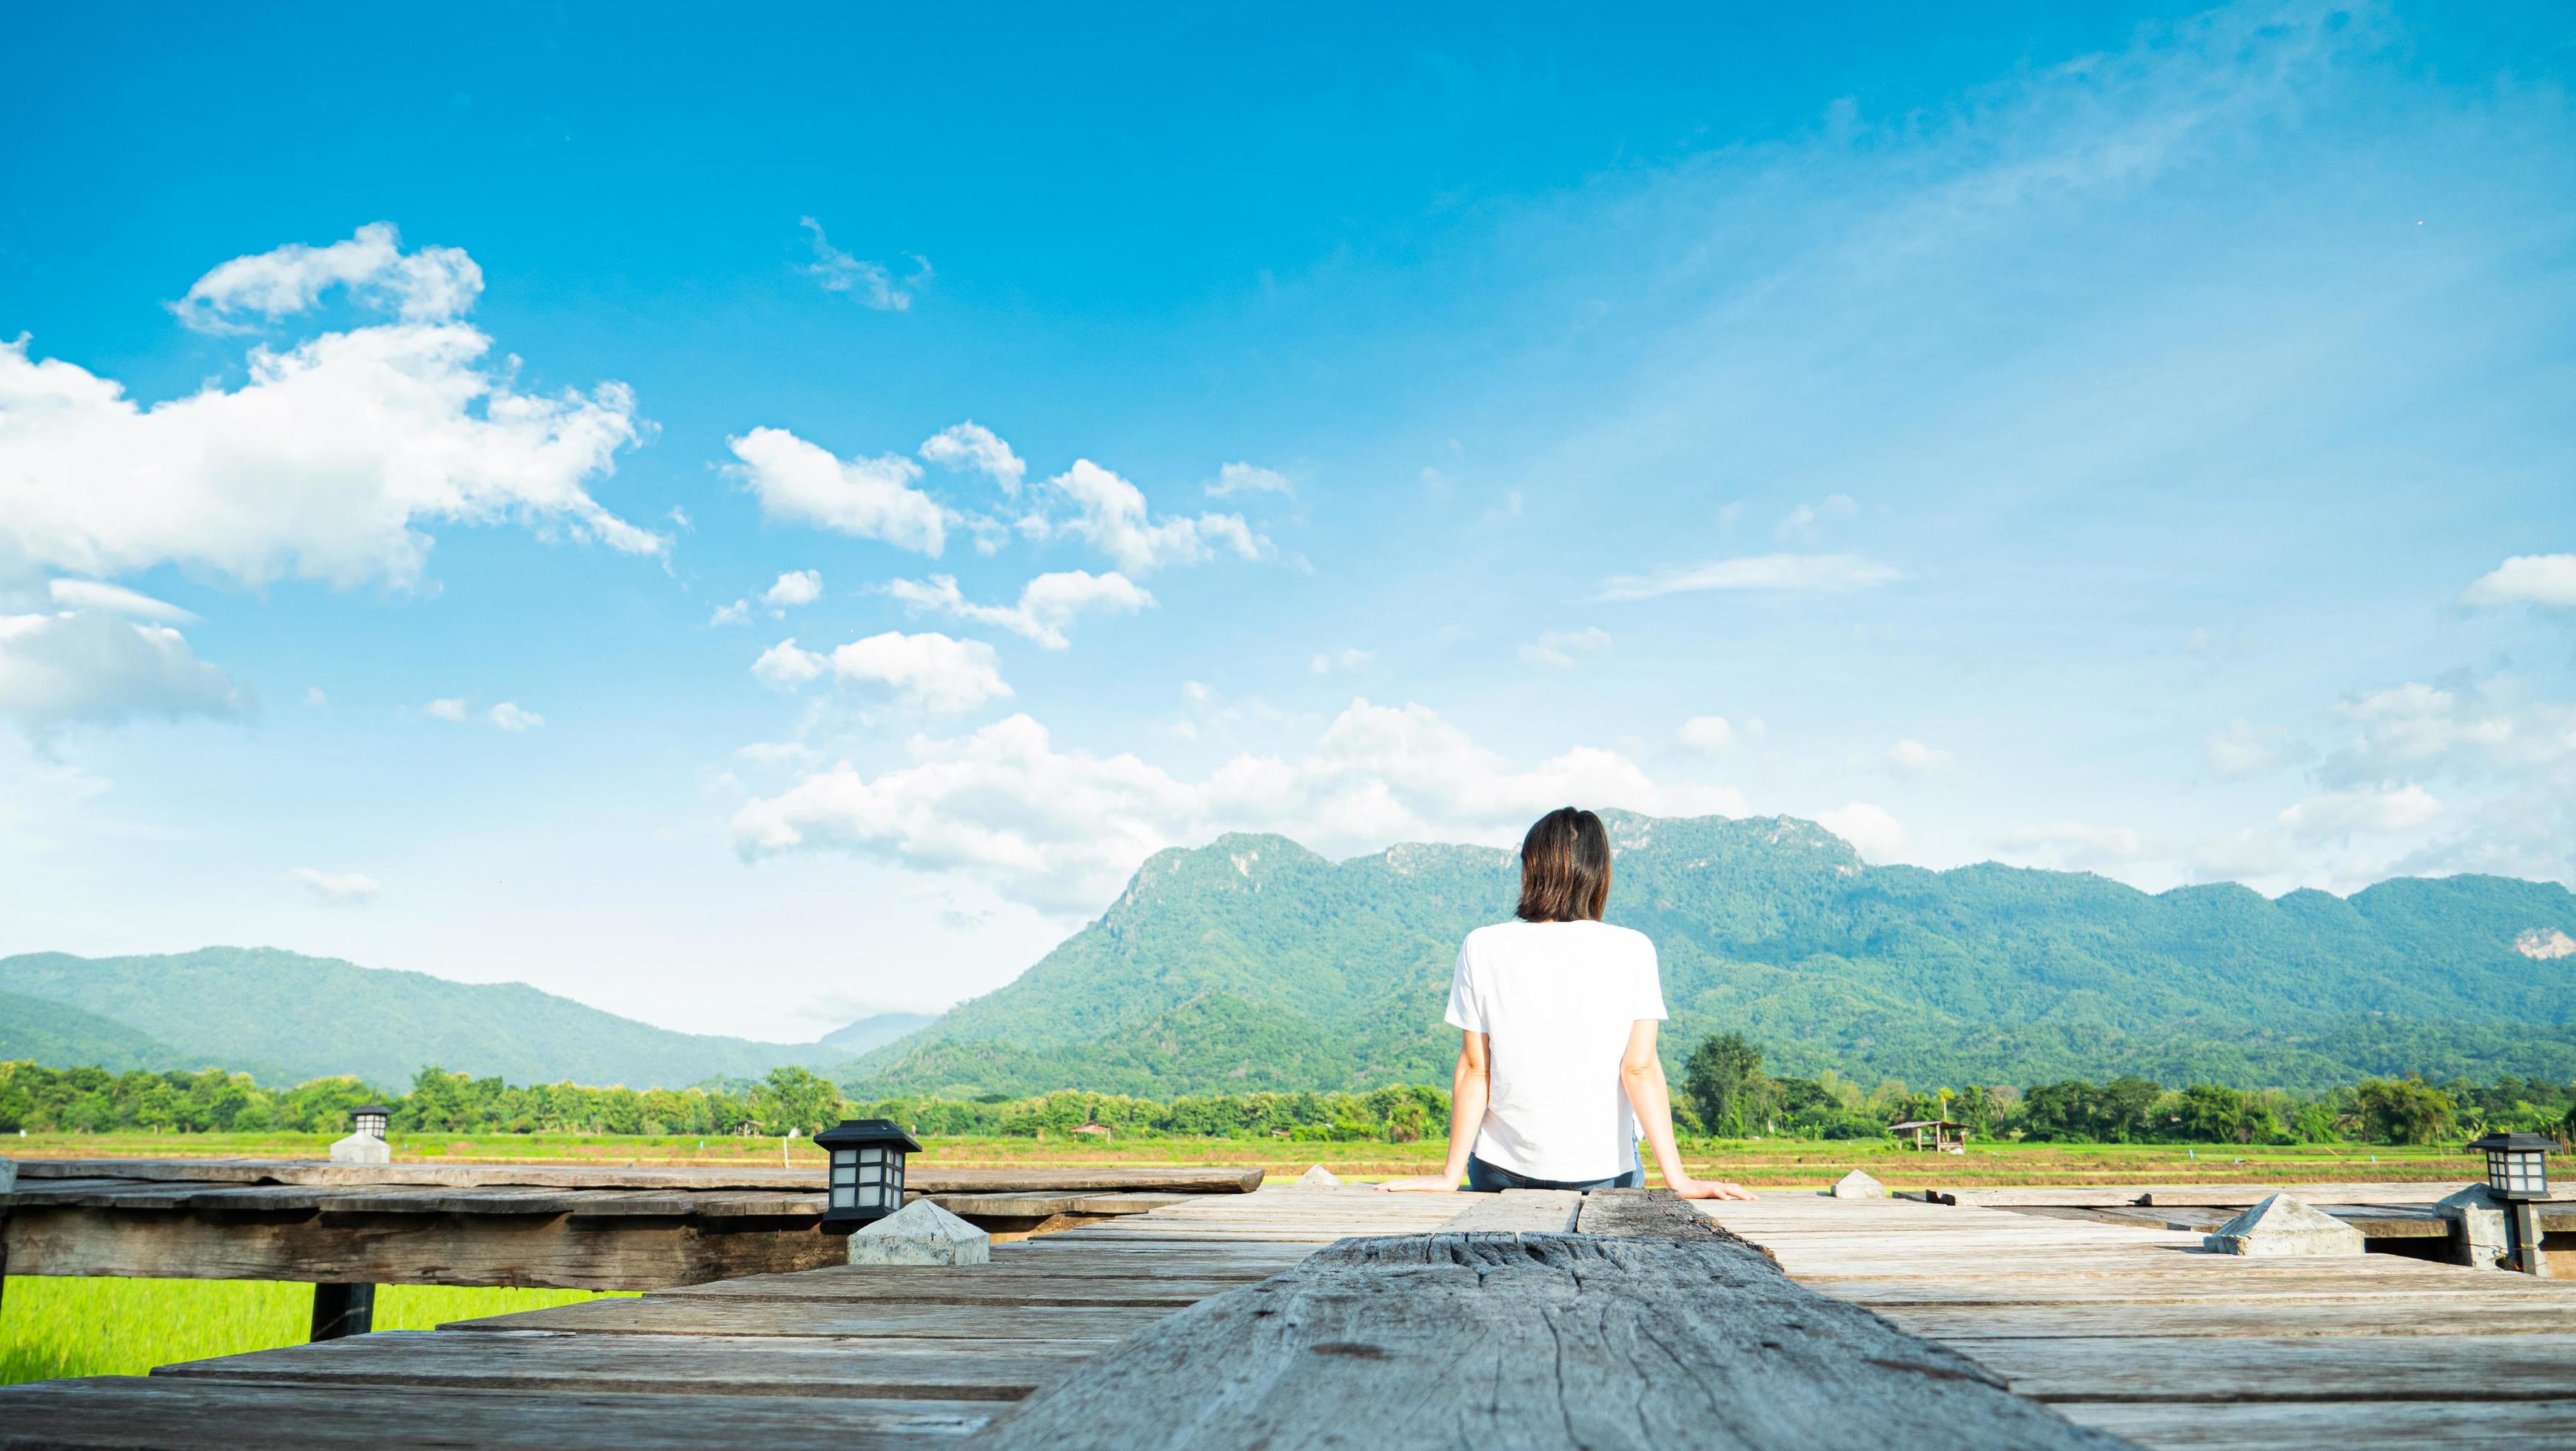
x: 1641, y: 1074
x: 1470, y: 1088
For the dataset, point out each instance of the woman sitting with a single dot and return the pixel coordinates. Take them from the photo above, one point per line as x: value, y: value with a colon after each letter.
x: 1557, y: 1067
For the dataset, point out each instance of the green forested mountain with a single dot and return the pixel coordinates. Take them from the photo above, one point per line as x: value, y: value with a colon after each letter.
x: 1253, y: 963
x: 286, y: 1017
x: 43, y: 1032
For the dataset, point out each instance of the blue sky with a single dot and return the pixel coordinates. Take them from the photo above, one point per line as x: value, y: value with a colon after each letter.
x: 501, y: 501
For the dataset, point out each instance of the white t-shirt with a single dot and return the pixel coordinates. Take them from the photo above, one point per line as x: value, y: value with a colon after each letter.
x: 1557, y: 1001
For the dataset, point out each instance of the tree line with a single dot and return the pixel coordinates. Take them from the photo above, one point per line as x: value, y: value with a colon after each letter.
x: 1723, y: 1092
x: 93, y: 1100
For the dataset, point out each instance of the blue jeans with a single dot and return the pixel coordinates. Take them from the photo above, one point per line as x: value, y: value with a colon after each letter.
x: 1484, y: 1178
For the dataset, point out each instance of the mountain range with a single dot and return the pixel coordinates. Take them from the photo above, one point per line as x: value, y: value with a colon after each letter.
x: 285, y: 1018
x: 1253, y: 963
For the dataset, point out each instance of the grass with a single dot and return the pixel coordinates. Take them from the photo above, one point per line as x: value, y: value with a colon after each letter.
x: 66, y: 1327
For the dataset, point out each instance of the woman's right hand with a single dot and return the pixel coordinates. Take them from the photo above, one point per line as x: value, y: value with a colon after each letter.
x: 1710, y: 1189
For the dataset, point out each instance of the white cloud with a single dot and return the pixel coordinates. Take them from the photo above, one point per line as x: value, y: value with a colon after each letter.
x: 1110, y: 513
x: 737, y: 613
x: 1875, y: 834
x: 1241, y: 478
x: 90, y: 594
x: 1775, y: 573
x: 313, y: 696
x: 2077, y: 846
x: 786, y: 666
x: 2489, y: 730
x: 453, y: 708
x: 803, y: 587
x: 431, y: 284
x: 792, y: 754
x: 1048, y: 604
x: 89, y: 667
x: 2527, y: 579
x: 1802, y: 522
x: 337, y: 889
x: 1559, y: 647
x: 1708, y: 734
x: 2335, y: 815
x: 322, y: 465
x: 511, y: 717
x: 1061, y: 830
x: 871, y: 498
x: 870, y: 283
x: 1344, y: 661
x: 1911, y: 757
x: 970, y: 445
x: 928, y: 671
x: 2243, y: 749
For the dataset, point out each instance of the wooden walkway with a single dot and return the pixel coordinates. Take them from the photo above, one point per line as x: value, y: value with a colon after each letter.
x: 2135, y: 1330
x: 2128, y: 1329
x: 576, y: 1227
x: 849, y: 1357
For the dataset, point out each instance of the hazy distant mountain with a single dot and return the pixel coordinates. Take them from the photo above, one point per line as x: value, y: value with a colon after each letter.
x: 875, y: 1031
x: 1253, y: 963
x: 306, y: 1017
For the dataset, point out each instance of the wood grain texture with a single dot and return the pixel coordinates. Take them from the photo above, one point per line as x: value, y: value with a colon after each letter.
x: 2337, y: 1425
x: 557, y: 1251
x: 2310, y: 1368
x: 1529, y: 1340
x: 1541, y: 1211
x: 963, y: 1285
x: 660, y: 1365
x: 128, y: 1413
x: 2415, y: 1318
x: 675, y: 1315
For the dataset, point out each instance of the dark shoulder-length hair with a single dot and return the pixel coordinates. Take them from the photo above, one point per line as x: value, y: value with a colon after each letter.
x: 1565, y: 868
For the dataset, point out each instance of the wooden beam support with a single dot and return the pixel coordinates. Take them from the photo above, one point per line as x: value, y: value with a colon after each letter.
x: 342, y: 1310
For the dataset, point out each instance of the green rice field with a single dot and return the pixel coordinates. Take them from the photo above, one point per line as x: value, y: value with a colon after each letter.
x: 65, y: 1327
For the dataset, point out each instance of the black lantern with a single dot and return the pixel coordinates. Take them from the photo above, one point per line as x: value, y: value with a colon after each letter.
x: 371, y: 1118
x: 2517, y: 1165
x: 867, y: 1171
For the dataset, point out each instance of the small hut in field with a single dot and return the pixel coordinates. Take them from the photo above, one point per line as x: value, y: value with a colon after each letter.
x: 1932, y: 1135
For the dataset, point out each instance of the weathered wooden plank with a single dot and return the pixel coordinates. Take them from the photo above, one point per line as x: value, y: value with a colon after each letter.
x: 1542, y: 1211
x: 133, y: 1412
x: 2245, y: 1196
x: 1041, y: 1206
x: 2381, y: 1317
x: 2335, y: 1425
x: 677, y: 1315
x: 562, y: 1252
x: 1572, y: 1340
x: 963, y: 1285
x: 2111, y: 1292
x: 922, y: 1178
x: 2040, y: 1194
x: 2307, y: 1368
x: 660, y: 1364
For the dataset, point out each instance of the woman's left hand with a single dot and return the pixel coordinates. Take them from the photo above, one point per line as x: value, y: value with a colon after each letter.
x: 1419, y: 1184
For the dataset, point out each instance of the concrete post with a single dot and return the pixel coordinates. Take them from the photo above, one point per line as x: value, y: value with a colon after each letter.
x: 2481, y: 1237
